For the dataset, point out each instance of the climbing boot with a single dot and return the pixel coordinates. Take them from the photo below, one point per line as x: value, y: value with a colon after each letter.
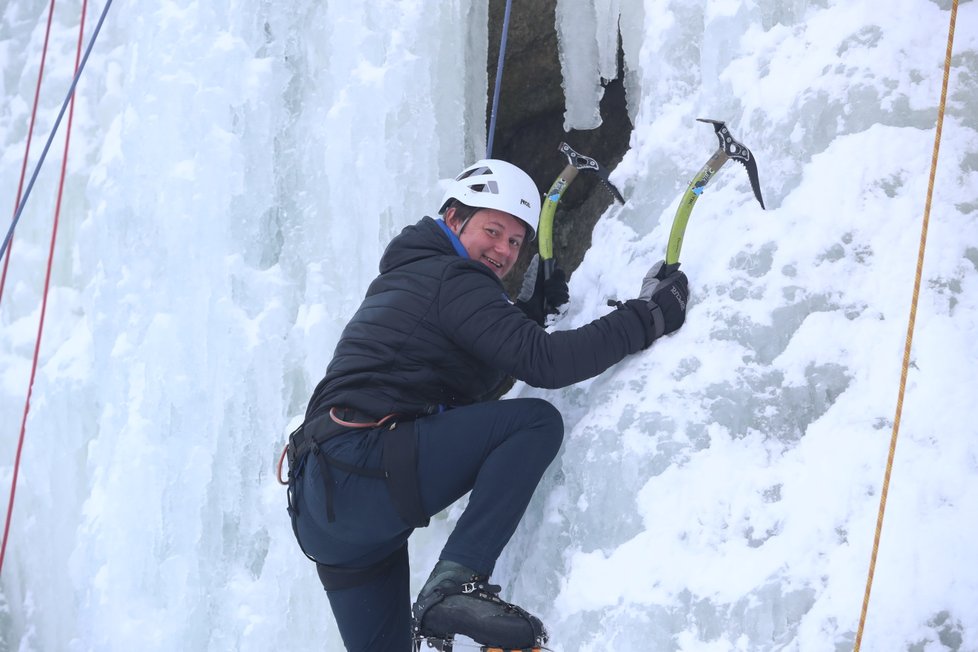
x: 457, y: 600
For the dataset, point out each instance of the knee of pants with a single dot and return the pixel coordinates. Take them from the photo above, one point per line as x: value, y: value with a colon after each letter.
x: 549, y: 424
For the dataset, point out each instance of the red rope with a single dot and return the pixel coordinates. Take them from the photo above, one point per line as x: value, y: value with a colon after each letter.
x: 44, y: 300
x: 27, y: 149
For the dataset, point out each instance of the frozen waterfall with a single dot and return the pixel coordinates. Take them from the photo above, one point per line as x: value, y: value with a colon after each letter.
x: 237, y: 168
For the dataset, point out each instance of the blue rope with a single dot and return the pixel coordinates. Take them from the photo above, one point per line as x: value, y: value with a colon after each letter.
x: 499, y: 78
x: 54, y: 130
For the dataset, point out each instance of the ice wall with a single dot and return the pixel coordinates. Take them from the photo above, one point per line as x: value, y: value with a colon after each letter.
x: 236, y: 170
x: 721, y: 491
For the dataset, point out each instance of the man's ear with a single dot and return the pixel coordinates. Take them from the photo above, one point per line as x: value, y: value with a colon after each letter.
x: 450, y: 220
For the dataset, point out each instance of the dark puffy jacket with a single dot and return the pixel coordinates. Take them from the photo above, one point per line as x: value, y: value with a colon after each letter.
x: 436, y: 330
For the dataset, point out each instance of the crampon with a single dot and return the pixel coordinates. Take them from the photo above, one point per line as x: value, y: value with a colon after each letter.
x: 449, y: 644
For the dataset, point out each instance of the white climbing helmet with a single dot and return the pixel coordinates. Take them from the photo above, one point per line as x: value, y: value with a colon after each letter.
x: 491, y: 183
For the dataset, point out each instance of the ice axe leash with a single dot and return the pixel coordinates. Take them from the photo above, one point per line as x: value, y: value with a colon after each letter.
x: 729, y: 149
x: 545, y: 231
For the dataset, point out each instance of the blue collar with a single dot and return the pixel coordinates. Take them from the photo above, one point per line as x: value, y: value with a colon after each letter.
x: 459, y: 248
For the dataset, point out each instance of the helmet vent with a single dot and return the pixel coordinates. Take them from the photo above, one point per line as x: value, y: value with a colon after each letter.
x: 473, y: 173
x: 491, y: 187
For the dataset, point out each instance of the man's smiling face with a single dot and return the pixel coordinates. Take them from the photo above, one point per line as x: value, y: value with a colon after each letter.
x: 492, y: 237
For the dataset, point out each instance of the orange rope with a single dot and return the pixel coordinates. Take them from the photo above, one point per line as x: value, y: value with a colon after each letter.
x: 910, y: 328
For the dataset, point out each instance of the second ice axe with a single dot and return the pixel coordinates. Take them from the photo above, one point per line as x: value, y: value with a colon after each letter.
x: 729, y: 149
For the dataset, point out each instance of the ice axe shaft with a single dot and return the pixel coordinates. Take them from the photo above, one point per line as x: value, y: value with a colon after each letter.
x: 729, y: 149
x: 575, y: 163
x: 545, y: 241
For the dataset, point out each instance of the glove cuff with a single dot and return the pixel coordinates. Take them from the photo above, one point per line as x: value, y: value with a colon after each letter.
x: 533, y: 311
x: 653, y: 327
x: 658, y: 320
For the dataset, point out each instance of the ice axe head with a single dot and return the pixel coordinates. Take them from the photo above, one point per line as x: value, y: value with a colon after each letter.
x: 738, y: 152
x: 581, y: 162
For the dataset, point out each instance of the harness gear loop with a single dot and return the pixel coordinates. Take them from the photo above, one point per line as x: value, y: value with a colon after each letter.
x: 285, y: 451
x: 910, y: 327
x: 281, y: 461
x: 358, y: 424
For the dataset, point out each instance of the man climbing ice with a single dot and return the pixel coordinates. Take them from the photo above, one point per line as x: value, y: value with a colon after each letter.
x: 403, y: 425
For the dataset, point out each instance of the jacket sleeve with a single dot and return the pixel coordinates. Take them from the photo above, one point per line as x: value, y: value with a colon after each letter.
x: 477, y: 316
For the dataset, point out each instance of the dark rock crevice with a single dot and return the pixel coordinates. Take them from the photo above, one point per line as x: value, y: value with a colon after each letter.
x: 530, y: 125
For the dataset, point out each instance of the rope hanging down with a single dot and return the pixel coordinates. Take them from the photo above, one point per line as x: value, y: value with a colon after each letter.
x: 910, y: 328
x: 499, y: 78
x: 79, y: 63
x: 54, y: 129
x: 30, y: 135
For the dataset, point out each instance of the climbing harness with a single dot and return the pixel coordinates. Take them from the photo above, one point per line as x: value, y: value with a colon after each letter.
x: 499, y: 78
x: 910, y: 327
x: 399, y: 471
x: 332, y: 415
x: 69, y: 100
x: 301, y: 443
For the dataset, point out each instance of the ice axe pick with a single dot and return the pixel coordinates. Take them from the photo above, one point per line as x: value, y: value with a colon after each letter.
x: 729, y: 148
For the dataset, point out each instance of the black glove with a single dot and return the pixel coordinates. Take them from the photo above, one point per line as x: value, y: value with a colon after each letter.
x: 666, y: 290
x: 555, y: 291
x: 537, y: 292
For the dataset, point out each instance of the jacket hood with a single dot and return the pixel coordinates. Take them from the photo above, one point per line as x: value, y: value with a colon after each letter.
x: 416, y: 242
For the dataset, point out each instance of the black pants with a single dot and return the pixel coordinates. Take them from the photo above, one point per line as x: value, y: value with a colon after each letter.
x: 497, y: 450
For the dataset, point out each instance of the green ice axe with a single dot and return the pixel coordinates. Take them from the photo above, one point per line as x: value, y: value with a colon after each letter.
x: 729, y: 149
x: 545, y: 240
